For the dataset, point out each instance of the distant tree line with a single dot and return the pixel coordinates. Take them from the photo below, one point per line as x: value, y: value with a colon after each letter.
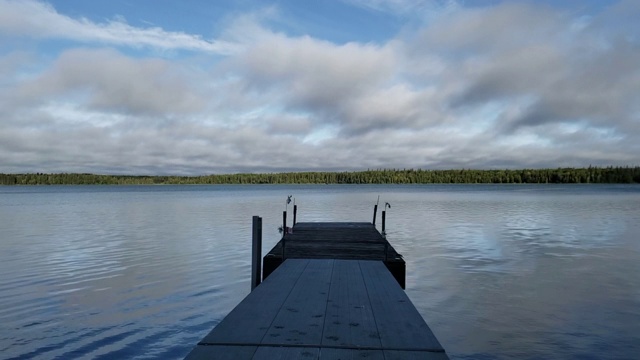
x: 610, y: 175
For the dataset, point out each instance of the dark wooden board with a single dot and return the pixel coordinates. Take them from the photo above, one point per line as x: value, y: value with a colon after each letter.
x: 414, y: 355
x: 332, y: 225
x: 355, y: 354
x: 400, y: 326
x: 301, y: 317
x: 237, y: 352
x: 349, y: 320
x: 362, y: 234
x: 250, y: 320
x: 221, y: 352
x: 286, y: 353
x: 351, y: 354
x: 349, y: 241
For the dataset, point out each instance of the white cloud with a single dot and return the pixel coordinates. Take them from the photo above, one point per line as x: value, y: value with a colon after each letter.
x: 541, y: 59
x: 109, y: 81
x: 512, y: 85
x: 355, y: 87
x: 35, y: 19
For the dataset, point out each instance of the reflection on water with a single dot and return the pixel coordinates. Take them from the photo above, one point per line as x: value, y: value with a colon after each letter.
x: 528, y: 275
x: 146, y: 272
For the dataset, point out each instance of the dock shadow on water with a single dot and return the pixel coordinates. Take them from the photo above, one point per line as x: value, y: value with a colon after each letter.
x: 146, y: 272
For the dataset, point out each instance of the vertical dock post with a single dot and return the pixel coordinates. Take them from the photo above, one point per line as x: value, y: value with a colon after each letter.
x: 284, y: 223
x: 375, y: 212
x: 384, y: 215
x: 295, y: 214
x: 256, y: 252
x: 284, y: 230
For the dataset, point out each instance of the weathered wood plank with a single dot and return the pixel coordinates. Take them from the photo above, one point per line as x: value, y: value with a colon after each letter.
x: 221, y: 352
x: 239, y: 352
x: 400, y: 326
x: 350, y: 241
x: 321, y: 240
x: 250, y: 320
x: 414, y: 355
x: 332, y: 225
x: 301, y: 317
x: 286, y: 353
x: 349, y: 320
x: 328, y: 249
x: 357, y: 354
x: 350, y: 354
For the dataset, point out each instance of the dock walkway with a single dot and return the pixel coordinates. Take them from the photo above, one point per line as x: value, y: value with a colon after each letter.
x: 331, y: 294
x: 336, y: 240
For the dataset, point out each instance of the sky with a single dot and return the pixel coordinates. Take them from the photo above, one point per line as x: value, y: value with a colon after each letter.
x: 159, y: 87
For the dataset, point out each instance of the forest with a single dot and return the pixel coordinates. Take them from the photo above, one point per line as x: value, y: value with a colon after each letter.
x: 609, y: 175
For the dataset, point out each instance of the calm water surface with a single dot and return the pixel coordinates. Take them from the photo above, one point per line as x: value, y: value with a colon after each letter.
x: 141, y: 272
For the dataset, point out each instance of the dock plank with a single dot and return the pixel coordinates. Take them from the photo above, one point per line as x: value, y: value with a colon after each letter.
x: 349, y: 320
x: 250, y: 320
x: 355, y: 354
x: 348, y: 241
x: 286, y: 353
x: 351, y: 354
x: 222, y: 352
x: 301, y: 317
x: 400, y: 326
x: 414, y: 355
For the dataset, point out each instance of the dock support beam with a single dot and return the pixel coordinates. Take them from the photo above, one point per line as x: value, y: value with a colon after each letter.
x: 256, y: 252
x: 284, y: 222
x: 375, y: 212
x: 384, y: 216
x: 295, y: 214
x: 284, y: 231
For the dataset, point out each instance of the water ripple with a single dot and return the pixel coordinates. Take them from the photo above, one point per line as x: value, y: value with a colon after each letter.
x: 146, y: 272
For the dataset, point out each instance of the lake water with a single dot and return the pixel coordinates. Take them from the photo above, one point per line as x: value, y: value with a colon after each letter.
x: 517, y: 271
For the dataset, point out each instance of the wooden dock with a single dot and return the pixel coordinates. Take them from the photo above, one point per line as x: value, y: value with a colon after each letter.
x: 336, y: 240
x: 323, y: 309
x: 328, y: 293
